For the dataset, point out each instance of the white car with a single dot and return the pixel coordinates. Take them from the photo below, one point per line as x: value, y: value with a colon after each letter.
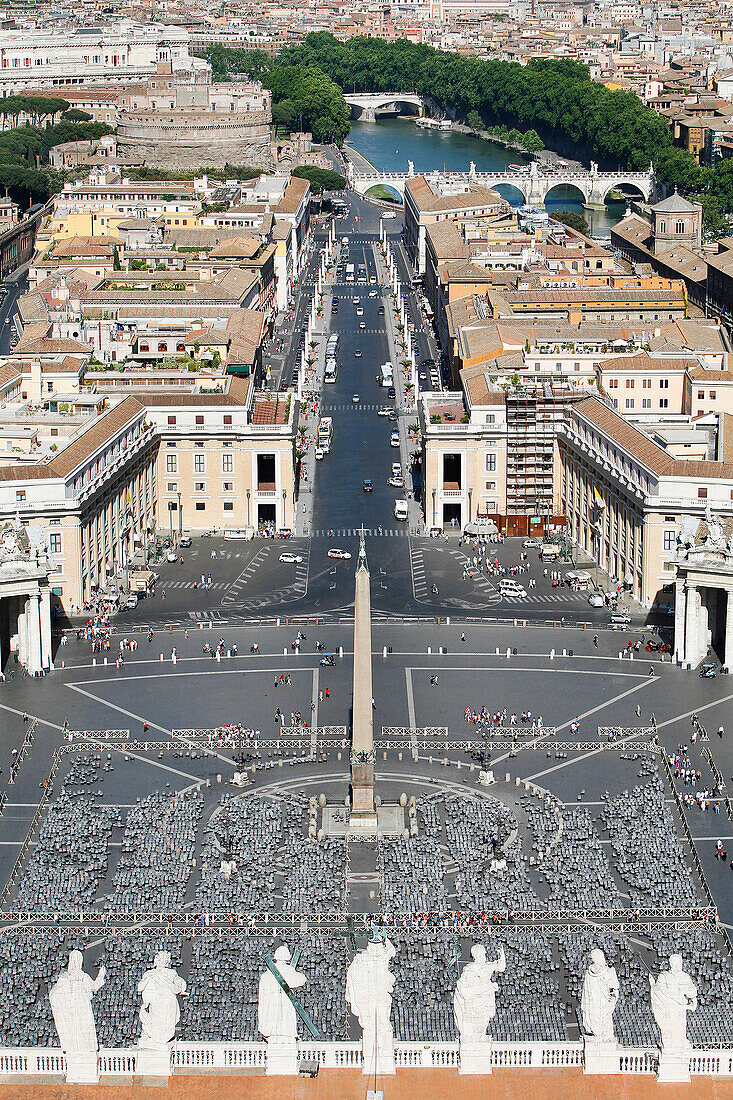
x: 319, y: 453
x: 514, y: 593
x: 373, y: 294
x: 172, y: 556
x: 394, y: 439
x: 382, y: 412
x: 531, y: 544
x: 291, y: 559
x: 362, y: 325
x: 355, y: 399
x: 596, y: 599
x: 396, y: 481
x: 359, y: 311
x: 342, y: 555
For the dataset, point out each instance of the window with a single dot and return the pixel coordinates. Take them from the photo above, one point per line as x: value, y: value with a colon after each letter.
x: 490, y: 464
x: 712, y: 395
x: 663, y: 402
x: 227, y: 486
x: 646, y: 402
x: 199, y: 419
x: 664, y: 383
x: 490, y: 486
x: 613, y: 384
x: 646, y: 384
x: 679, y: 228
x: 200, y: 506
x: 199, y: 486
x: 171, y: 419
x: 701, y: 395
x: 54, y: 542
x: 629, y: 383
x: 172, y: 487
x: 702, y: 494
x: 670, y: 540
x: 228, y: 506
x: 227, y: 464
x: 199, y: 464
x: 20, y: 494
x: 227, y: 418
x: 490, y: 418
x: 629, y: 402
x: 171, y: 464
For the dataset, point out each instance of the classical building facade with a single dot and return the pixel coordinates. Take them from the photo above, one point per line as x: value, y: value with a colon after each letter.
x: 25, y: 602
x: 703, y: 610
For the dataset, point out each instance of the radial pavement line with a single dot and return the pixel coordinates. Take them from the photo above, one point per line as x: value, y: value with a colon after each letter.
x: 34, y: 717
x: 695, y: 710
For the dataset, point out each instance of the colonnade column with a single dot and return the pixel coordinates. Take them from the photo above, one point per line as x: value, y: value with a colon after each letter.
x: 22, y: 631
x: 679, y: 620
x: 45, y: 612
x: 34, y: 634
x: 728, y: 653
x: 692, y: 624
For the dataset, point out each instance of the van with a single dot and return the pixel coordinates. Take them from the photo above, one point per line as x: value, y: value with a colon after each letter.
x: 400, y: 509
x: 621, y: 617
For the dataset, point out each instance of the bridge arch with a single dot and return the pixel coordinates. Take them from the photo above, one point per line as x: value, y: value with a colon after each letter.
x: 394, y: 193
x: 513, y: 192
x: 623, y: 186
x: 560, y: 192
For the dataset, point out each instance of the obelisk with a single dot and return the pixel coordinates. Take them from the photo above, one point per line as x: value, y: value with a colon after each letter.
x: 363, y: 817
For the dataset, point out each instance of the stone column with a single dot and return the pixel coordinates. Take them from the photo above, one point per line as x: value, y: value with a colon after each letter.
x: 728, y: 651
x: 680, y: 601
x: 22, y: 632
x: 34, y: 634
x: 692, y: 617
x: 45, y: 609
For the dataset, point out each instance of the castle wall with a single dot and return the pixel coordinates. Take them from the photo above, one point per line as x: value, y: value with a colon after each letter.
x: 195, y: 139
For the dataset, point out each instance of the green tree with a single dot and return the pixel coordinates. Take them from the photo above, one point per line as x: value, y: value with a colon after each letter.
x: 474, y: 120
x: 321, y: 179
x: 572, y: 220
x: 532, y: 141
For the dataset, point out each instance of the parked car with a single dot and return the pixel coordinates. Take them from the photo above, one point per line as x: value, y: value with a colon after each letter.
x: 341, y: 555
x: 185, y: 540
x: 596, y: 599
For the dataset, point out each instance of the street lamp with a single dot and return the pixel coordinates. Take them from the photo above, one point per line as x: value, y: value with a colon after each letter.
x: 433, y: 507
x: 171, y: 506
x: 248, y: 523
x: 470, y: 513
x: 180, y: 517
x: 285, y: 493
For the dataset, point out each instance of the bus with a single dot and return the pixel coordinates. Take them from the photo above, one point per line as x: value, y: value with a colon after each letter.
x: 349, y: 273
x: 361, y: 272
x: 332, y: 369
x: 386, y: 378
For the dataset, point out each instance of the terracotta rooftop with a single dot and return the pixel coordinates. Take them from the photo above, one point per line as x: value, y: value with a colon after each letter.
x: 95, y: 436
x: 269, y: 410
x: 434, y: 1084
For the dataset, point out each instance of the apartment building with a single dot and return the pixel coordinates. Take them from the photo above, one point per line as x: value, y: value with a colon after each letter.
x: 434, y: 198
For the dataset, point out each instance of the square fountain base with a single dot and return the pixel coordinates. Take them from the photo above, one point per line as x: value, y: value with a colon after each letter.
x: 387, y: 820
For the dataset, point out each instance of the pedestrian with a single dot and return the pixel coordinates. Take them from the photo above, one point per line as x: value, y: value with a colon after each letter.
x: 721, y: 731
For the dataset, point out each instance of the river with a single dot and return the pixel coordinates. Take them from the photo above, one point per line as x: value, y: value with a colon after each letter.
x: 390, y: 142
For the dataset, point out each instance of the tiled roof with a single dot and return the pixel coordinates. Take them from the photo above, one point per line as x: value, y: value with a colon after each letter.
x: 95, y: 436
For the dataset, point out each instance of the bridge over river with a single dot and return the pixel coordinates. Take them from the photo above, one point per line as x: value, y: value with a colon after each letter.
x: 366, y: 106
x: 534, y: 183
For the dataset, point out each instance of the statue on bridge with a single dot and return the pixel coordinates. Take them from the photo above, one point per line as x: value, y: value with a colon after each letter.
x: 411, y: 168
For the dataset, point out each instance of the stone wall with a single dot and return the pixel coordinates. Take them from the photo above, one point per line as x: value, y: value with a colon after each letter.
x: 194, y: 139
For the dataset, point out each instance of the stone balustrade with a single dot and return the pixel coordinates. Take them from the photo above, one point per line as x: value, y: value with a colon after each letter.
x: 206, y: 1057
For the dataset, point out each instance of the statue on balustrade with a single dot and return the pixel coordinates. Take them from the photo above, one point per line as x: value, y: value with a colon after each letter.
x: 673, y: 995
x: 474, y: 1001
x: 599, y: 998
x: 159, y: 1014
x: 369, y: 985
x: 71, y: 1005
x: 276, y: 1016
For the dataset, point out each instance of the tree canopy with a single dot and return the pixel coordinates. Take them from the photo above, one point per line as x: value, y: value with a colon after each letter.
x: 320, y: 179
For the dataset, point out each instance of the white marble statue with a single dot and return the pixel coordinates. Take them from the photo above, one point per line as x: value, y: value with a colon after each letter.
x: 411, y: 168
x: 474, y: 1001
x: 673, y: 996
x: 369, y: 985
x: 276, y: 1016
x: 599, y: 998
x: 472, y: 170
x: 159, y: 989
x: 71, y: 1004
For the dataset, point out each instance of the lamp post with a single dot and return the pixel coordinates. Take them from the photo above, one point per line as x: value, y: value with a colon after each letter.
x: 170, y: 517
x: 433, y: 507
x: 285, y: 493
x: 248, y: 492
x: 180, y: 518
x: 470, y: 513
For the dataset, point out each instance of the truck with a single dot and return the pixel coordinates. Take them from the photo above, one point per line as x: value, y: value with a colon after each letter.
x: 331, y: 370
x: 400, y: 509
x: 349, y: 273
x: 325, y: 432
x: 387, y: 377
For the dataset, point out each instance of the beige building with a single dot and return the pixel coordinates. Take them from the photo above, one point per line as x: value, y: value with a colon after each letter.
x: 627, y: 497
x: 155, y: 462
x: 431, y: 199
